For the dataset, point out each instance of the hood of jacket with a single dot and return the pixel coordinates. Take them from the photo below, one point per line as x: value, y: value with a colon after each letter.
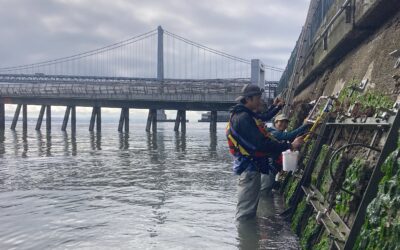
x: 239, y: 108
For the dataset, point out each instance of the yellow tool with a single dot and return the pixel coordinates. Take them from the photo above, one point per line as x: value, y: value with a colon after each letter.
x: 326, y: 110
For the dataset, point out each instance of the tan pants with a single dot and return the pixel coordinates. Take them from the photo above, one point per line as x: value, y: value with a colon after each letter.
x: 248, y: 194
x: 267, y: 181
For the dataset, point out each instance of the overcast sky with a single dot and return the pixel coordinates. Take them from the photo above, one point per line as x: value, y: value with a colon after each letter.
x: 37, y: 30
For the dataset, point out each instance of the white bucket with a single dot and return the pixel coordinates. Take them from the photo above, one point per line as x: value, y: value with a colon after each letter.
x: 289, y: 159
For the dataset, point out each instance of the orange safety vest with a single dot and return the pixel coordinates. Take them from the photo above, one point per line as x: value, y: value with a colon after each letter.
x: 237, y: 149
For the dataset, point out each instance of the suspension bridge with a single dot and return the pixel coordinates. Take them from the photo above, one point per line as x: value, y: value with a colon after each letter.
x: 156, y: 70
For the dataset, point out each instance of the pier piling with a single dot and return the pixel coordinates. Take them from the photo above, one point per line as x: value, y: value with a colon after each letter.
x: 213, y: 121
x: 152, y: 121
x: 180, y: 120
x: 124, y: 120
x: 66, y: 118
x: 24, y: 117
x: 40, y: 118
x: 2, y: 117
x: 73, y: 119
x: 48, y: 118
x: 16, y: 116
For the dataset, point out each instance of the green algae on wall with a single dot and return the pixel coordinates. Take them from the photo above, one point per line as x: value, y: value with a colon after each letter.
x: 381, y: 229
x: 312, y: 238
x: 323, y: 243
x: 307, y: 152
x: 298, y: 215
x: 310, y: 233
x: 290, y: 188
x: 319, y: 164
x: 326, y: 178
x: 355, y: 182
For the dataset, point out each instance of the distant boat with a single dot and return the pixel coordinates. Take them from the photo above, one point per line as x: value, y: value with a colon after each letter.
x: 222, y: 116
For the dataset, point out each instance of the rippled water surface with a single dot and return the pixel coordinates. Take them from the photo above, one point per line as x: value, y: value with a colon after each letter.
x: 126, y: 191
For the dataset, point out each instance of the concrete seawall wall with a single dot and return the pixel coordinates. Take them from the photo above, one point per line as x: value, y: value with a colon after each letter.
x: 334, y: 59
x: 342, y: 31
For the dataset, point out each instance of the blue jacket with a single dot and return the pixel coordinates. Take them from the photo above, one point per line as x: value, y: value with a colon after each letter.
x: 288, y: 136
x: 269, y: 114
x: 243, y: 123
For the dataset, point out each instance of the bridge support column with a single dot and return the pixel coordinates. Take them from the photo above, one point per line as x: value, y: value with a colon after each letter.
x: 44, y: 108
x: 152, y: 121
x: 177, y: 121
x: 2, y: 117
x: 73, y: 119
x: 124, y: 120
x: 48, y: 118
x: 213, y: 121
x: 66, y: 118
x: 183, y: 121
x: 40, y: 118
x: 92, y: 119
x: 24, y: 117
x: 71, y: 110
x: 180, y: 120
x: 96, y: 118
x: 16, y: 116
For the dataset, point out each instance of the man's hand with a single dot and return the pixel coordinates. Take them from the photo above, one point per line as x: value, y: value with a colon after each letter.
x: 279, y: 102
x: 296, y: 144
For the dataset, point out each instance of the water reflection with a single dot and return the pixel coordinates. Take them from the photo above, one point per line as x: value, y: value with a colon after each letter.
x: 73, y: 142
x: 180, y: 142
x: 2, y: 146
x: 156, y: 146
x: 24, y: 144
x: 268, y: 229
x: 213, y: 145
x: 248, y: 234
x: 69, y: 142
x: 48, y: 143
x: 165, y: 191
x: 152, y: 141
x: 123, y: 140
x: 95, y: 140
x: 15, y: 142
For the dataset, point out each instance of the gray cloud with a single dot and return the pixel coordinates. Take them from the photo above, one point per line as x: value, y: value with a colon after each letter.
x: 35, y: 30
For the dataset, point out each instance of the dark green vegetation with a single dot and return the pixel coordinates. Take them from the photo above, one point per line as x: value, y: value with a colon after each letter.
x: 381, y: 229
x: 356, y: 178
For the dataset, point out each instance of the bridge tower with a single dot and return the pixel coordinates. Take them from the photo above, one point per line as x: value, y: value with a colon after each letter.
x: 257, y: 73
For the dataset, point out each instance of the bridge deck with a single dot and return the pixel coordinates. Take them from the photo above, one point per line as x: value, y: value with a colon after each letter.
x: 211, y: 94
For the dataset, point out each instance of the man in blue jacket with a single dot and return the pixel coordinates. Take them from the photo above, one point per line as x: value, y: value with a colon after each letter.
x: 251, y: 149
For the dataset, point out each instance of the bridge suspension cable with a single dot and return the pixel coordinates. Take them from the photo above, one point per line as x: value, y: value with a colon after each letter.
x: 84, y: 54
x: 137, y: 57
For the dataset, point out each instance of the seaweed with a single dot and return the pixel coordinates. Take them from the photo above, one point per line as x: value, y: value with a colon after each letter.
x: 381, y: 229
x: 323, y: 243
x: 310, y: 233
x: 298, y: 215
x: 291, y: 187
x: 355, y: 180
x: 326, y: 178
x: 321, y: 159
